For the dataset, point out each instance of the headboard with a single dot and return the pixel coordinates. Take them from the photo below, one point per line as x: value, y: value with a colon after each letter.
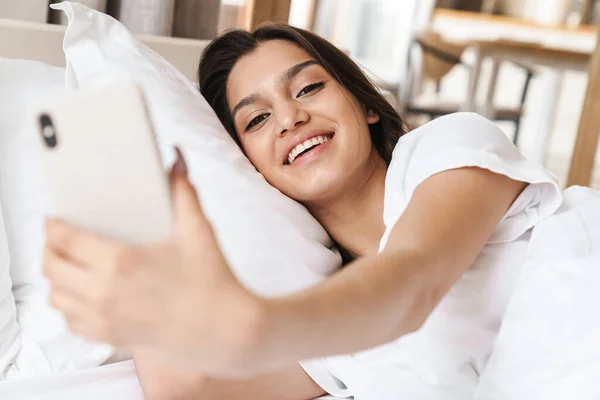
x: 43, y: 42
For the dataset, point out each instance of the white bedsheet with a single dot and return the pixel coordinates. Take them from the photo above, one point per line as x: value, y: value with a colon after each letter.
x: 114, y: 381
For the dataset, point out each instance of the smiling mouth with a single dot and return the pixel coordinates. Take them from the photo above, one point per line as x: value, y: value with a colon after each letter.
x: 306, y: 147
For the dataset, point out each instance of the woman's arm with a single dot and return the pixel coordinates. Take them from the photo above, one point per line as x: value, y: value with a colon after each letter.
x: 447, y: 223
x: 121, y: 293
x: 374, y: 300
x: 162, y: 381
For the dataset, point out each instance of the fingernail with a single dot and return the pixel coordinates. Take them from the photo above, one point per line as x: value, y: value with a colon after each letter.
x: 180, y: 166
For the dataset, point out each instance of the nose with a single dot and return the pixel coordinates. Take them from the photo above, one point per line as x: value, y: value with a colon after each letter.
x: 290, y: 116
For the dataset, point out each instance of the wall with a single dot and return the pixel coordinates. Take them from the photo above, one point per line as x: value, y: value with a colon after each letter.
x: 28, y: 10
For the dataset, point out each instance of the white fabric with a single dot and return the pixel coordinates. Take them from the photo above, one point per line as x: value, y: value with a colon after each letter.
x: 444, y: 358
x: 272, y: 243
x: 115, y: 381
x: 548, y: 347
x: 46, y: 344
x: 9, y: 328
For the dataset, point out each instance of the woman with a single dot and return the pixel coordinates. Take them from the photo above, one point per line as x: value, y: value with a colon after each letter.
x: 449, y: 204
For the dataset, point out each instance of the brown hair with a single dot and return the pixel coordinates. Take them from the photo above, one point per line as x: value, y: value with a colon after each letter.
x: 221, y: 55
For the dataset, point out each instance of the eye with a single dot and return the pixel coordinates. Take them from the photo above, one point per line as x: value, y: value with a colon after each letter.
x: 256, y: 120
x: 307, y: 89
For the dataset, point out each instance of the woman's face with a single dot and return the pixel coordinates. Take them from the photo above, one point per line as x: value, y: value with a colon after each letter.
x: 304, y: 132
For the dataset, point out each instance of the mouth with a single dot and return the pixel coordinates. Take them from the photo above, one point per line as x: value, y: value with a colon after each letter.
x: 307, y: 147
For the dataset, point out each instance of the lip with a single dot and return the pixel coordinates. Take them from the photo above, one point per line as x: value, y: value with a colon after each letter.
x: 301, y: 138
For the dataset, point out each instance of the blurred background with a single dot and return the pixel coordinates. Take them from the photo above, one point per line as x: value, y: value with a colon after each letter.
x: 521, y: 63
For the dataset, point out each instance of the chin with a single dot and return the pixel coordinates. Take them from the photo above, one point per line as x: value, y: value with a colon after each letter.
x: 323, y: 181
x: 317, y: 190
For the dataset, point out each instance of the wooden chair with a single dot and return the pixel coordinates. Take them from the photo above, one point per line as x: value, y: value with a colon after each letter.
x: 582, y: 161
x: 438, y: 58
x: 431, y: 57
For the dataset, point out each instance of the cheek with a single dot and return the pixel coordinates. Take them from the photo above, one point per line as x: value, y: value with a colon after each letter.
x: 261, y: 153
x: 344, y: 109
x: 353, y: 124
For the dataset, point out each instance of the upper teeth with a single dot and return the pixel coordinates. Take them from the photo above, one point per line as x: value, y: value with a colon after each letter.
x: 317, y: 140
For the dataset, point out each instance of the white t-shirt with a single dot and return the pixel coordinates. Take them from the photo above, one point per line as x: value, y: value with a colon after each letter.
x: 444, y: 358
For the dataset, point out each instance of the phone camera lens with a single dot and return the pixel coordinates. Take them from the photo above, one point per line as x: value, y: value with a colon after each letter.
x: 48, y: 132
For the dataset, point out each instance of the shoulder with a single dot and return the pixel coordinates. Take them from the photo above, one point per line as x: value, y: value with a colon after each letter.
x: 466, y: 140
x: 459, y: 129
x: 452, y: 140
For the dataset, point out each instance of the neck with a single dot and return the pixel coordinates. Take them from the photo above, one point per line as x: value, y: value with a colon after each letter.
x: 354, y: 219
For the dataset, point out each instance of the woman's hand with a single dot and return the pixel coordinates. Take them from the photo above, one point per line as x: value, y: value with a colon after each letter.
x: 178, y: 296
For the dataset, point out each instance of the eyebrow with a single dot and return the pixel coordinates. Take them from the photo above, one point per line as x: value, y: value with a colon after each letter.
x: 246, y: 101
x: 296, y: 69
x: 286, y: 77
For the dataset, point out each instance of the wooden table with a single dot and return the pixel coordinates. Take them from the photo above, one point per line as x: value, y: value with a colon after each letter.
x: 502, y: 38
x: 462, y: 22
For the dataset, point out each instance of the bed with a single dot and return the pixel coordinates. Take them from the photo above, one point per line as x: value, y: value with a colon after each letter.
x: 43, y: 43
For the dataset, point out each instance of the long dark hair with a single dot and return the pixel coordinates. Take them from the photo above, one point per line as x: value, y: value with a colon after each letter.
x: 221, y: 55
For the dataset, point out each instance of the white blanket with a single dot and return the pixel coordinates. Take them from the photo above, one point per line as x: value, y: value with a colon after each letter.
x: 548, y: 347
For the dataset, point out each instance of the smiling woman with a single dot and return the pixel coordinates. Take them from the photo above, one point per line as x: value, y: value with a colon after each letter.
x: 220, y: 57
x: 436, y: 225
x: 313, y: 88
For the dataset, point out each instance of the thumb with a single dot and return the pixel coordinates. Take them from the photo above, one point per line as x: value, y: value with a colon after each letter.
x: 187, y: 212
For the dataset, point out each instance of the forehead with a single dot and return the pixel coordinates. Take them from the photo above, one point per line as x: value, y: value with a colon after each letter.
x: 262, y: 67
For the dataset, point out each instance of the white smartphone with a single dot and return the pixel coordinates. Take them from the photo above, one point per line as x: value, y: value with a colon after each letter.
x: 103, y: 166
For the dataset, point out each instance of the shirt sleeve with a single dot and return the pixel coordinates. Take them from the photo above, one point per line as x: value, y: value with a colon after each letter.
x: 469, y: 140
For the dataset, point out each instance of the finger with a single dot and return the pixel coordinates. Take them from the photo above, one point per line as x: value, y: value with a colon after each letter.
x: 87, y: 327
x: 179, y: 168
x: 97, y: 329
x: 69, y: 305
x: 67, y: 276
x: 81, y: 317
x: 87, y: 330
x: 188, y: 213
x: 79, y: 246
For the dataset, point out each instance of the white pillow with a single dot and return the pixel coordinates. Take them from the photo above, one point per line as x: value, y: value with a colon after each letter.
x: 9, y: 328
x: 271, y: 242
x: 23, y: 84
x: 47, y: 346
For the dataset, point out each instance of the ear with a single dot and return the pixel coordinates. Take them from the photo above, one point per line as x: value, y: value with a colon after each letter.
x: 372, y: 117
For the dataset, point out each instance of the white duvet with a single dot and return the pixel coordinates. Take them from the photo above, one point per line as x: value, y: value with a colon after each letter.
x: 548, y: 347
